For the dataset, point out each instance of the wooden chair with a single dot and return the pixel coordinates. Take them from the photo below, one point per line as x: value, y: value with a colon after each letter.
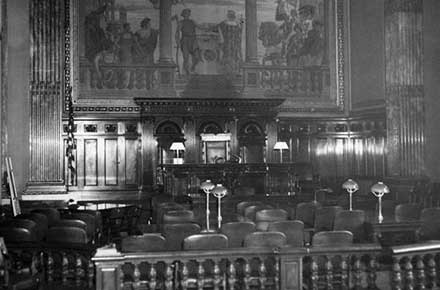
x: 407, y: 212
x: 205, y: 242
x: 178, y: 216
x: 244, y: 191
x: 40, y: 220
x: 332, y: 239
x: 265, y: 239
x: 294, y: 231
x: 265, y: 216
x: 164, y: 209
x: 66, y: 235
x: 250, y: 211
x: 154, y: 242
x: 88, y: 219
x: 430, y: 229
x: 354, y: 222
x: 305, y: 212
x: 325, y: 217
x: 52, y: 214
x: 176, y: 233
x: 237, y: 231
x: 19, y: 230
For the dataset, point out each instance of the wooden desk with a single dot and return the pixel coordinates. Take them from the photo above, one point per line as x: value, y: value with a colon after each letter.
x: 392, y: 233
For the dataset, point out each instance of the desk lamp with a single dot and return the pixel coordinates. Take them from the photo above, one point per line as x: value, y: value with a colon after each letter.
x: 207, y: 186
x: 351, y: 187
x: 219, y: 191
x: 379, y: 189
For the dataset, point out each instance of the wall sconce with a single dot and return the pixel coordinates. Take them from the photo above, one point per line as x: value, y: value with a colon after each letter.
x: 351, y: 187
x: 379, y: 189
x: 177, y: 146
x: 207, y: 186
x: 219, y: 192
x: 281, y: 145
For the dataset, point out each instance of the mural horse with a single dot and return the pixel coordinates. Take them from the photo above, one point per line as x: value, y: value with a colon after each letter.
x: 272, y: 39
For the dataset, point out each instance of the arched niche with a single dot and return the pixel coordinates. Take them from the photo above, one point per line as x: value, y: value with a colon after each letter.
x: 252, y: 141
x: 166, y: 133
x: 215, y: 144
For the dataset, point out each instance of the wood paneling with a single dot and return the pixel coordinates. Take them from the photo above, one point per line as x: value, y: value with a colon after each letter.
x: 111, y: 161
x: 91, y: 162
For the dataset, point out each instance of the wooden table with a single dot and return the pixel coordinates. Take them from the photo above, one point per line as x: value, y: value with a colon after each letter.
x: 392, y: 233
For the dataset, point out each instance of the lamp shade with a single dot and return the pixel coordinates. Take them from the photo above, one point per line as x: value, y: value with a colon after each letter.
x: 219, y: 191
x: 177, y: 146
x: 281, y: 145
x: 350, y: 185
x: 380, y: 189
x: 207, y: 185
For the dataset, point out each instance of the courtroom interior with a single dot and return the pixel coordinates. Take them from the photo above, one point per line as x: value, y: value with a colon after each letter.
x: 219, y: 144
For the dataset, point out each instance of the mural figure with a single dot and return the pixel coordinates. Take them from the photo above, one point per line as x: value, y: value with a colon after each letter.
x: 95, y: 37
x: 145, y: 43
x: 230, y: 31
x: 126, y: 44
x: 186, y: 40
x: 313, y: 47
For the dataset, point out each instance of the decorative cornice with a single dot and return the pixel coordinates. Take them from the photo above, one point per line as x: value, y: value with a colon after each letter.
x: 195, y: 106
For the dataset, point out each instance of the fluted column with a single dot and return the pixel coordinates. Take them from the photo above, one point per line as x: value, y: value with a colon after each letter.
x: 404, y: 87
x: 165, y: 37
x: 251, y: 31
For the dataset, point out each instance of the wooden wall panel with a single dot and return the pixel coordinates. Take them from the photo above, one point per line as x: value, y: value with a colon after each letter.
x: 91, y: 162
x: 111, y: 163
x: 131, y: 157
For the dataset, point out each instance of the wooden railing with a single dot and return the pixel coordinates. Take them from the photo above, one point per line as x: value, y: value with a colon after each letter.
x: 303, y: 82
x: 238, y: 268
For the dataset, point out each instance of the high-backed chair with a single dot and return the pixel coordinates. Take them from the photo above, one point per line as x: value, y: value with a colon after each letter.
x: 407, y: 212
x: 153, y: 242
x: 240, y: 207
x: 52, y: 214
x: 40, y: 220
x: 250, y: 211
x: 332, y: 238
x: 164, y: 209
x: 19, y: 230
x: 430, y: 229
x: 66, y: 235
x: 176, y: 233
x: 325, y: 217
x: 88, y: 219
x: 354, y: 222
x: 305, y: 212
x: 265, y: 216
x: 294, y: 231
x: 237, y: 231
x: 178, y: 216
x: 265, y: 239
x: 205, y: 242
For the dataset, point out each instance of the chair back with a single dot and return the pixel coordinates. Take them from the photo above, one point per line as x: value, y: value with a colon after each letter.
x: 205, y: 242
x: 265, y: 216
x: 332, y: 239
x: 294, y: 231
x: 325, y: 217
x: 430, y: 229
x: 71, y: 223
x: 250, y: 211
x: 162, y: 210
x: 19, y: 230
x: 352, y: 221
x: 52, y: 214
x: 153, y: 242
x: 88, y: 219
x: 305, y: 212
x: 178, y: 216
x: 265, y: 239
x: 244, y: 191
x: 40, y: 221
x: 176, y: 233
x: 66, y: 235
x: 244, y: 204
x: 236, y: 232
x: 407, y: 212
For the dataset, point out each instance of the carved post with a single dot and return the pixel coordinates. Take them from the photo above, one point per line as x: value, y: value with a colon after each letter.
x: 431, y: 272
x: 165, y: 37
x: 404, y: 87
x: 371, y: 279
x: 79, y: 271
x: 420, y: 268
x: 90, y: 274
x: 185, y: 276
x: 251, y: 31
x: 329, y: 273
x: 64, y: 268
x: 409, y: 275
x: 153, y: 277
x: 136, y: 276
x: 247, y: 275
x: 217, y: 276
x: 200, y: 276
x: 397, y: 275
x: 168, y: 277
x: 357, y: 275
x: 314, y: 274
x: 262, y: 273
x: 232, y: 275
x: 344, y: 274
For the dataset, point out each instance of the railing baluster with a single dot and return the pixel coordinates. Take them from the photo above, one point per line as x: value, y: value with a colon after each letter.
x: 262, y: 272
x: 371, y: 278
x: 121, y: 277
x: 64, y: 268
x: 50, y: 267
x: 431, y: 273
x: 409, y: 275
x: 217, y: 276
x: 357, y: 273
x: 329, y: 273
x: 185, y: 275
x: 314, y: 275
x: 79, y: 271
x: 90, y: 274
x: 420, y: 268
x: 397, y: 275
x: 344, y: 273
x: 152, y: 282
x: 232, y: 275
x: 277, y: 273
x: 200, y: 276
x: 247, y: 274
x: 136, y: 276
x: 168, y: 276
